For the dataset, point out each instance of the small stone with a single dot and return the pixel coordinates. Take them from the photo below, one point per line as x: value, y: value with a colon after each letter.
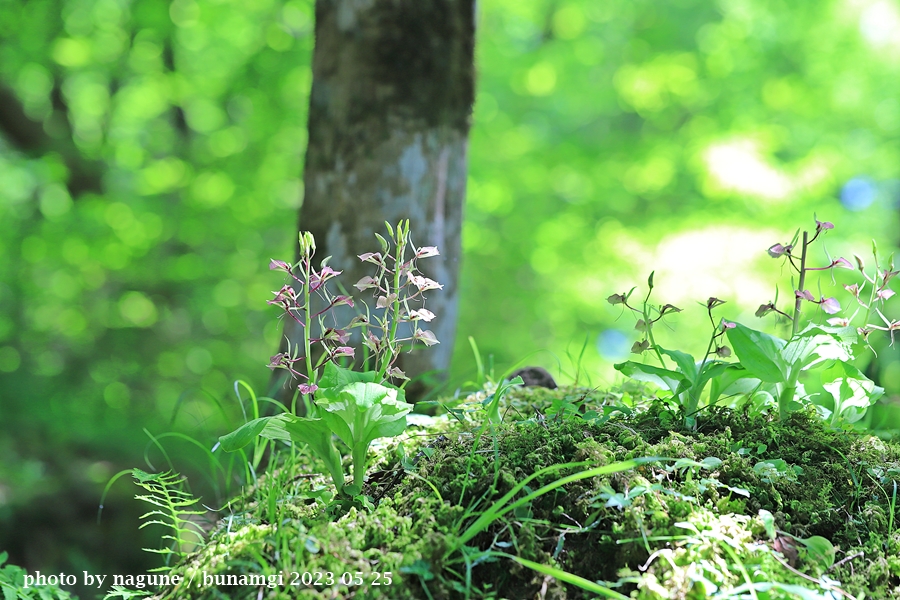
x: 535, y: 377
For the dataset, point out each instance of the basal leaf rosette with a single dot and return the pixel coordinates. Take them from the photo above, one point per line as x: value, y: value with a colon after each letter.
x: 359, y: 413
x: 288, y: 427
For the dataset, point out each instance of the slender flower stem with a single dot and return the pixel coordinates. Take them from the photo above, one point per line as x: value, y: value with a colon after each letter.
x: 395, y: 308
x: 307, y: 345
x: 873, y: 291
x: 798, y: 301
x: 648, y: 324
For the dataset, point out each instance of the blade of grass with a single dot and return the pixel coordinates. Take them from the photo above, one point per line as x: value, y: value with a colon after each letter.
x: 500, y: 508
x: 585, y: 584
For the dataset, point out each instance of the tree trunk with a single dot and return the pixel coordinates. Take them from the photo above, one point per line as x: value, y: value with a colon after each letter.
x: 390, y: 106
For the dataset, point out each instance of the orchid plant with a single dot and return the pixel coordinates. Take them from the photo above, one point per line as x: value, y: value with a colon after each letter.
x: 769, y: 368
x: 356, y: 406
x: 688, y: 379
x: 399, y: 291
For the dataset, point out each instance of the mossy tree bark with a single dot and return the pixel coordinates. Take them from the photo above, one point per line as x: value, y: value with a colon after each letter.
x: 390, y: 107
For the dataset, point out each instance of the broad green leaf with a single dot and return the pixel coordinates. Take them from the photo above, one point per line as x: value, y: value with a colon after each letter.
x: 768, y: 520
x: 734, y: 379
x: 711, y: 462
x: 830, y: 348
x: 316, y: 434
x: 421, y: 568
x: 288, y: 427
x: 821, y: 341
x: 362, y: 412
x: 841, y: 370
x: 775, y: 468
x: 686, y: 363
x: 334, y: 376
x: 820, y: 550
x: 828, y: 343
x: 684, y: 463
x: 761, y: 400
x: 778, y: 464
x: 847, y: 334
x: 737, y: 490
x: 664, y: 378
x: 759, y: 353
x: 249, y: 431
x: 799, y: 349
x: 851, y: 391
x: 710, y: 371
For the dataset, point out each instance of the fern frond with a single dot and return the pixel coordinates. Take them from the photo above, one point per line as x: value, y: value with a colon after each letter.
x: 172, y: 508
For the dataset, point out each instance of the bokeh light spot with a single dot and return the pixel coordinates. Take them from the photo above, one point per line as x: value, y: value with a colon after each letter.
x: 74, y: 250
x: 279, y: 38
x: 540, y: 80
x: 34, y: 249
x: 117, y: 395
x: 858, y: 193
x: 63, y: 285
x: 184, y: 13
x: 568, y: 22
x: 137, y: 309
x: 115, y: 256
x: 55, y: 201
x: 228, y: 293
x: 9, y: 359
x: 613, y: 345
x: 71, y: 52
x: 212, y: 189
x: 198, y: 360
x: 170, y: 364
x: 72, y: 322
x: 204, y: 116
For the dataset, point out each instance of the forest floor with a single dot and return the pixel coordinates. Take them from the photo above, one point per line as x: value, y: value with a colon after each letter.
x: 743, y: 507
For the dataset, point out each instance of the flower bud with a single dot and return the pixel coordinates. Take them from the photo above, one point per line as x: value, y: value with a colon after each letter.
x: 307, y: 243
x: 372, y: 257
x: 616, y: 299
x: 307, y: 389
x: 668, y: 308
x: 823, y: 225
x: 777, y: 250
x: 397, y: 373
x: 764, y: 309
x: 713, y: 302
x: 279, y: 265
x: 841, y: 263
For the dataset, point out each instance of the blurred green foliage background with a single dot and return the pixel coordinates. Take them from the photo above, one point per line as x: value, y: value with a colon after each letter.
x: 609, y: 139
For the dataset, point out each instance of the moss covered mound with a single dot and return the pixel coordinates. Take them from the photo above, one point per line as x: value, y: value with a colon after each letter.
x: 742, y: 507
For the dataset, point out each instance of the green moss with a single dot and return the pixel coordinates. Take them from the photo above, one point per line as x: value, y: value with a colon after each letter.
x: 663, y: 527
